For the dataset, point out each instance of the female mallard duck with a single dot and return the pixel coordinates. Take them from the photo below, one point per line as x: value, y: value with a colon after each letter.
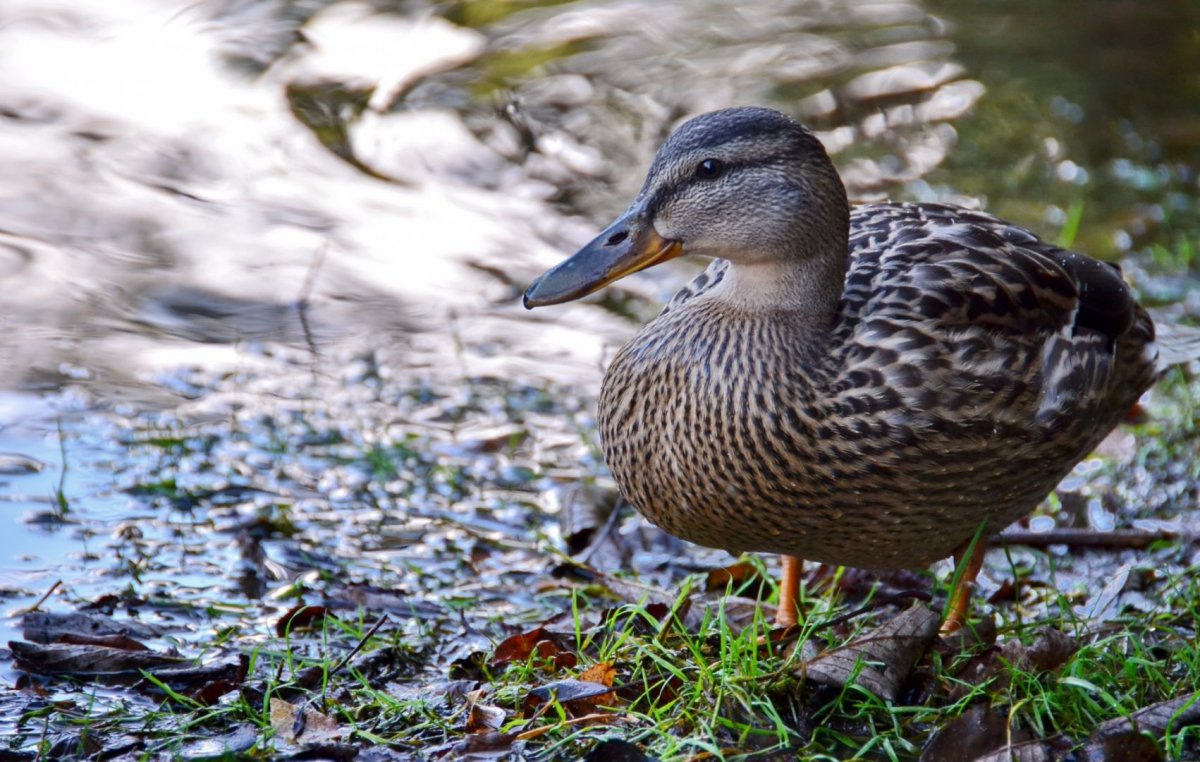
x: 863, y: 387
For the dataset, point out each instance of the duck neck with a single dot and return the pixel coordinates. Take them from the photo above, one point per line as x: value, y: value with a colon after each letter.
x: 808, y: 288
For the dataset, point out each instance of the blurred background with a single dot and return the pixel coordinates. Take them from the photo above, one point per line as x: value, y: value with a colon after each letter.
x: 212, y: 211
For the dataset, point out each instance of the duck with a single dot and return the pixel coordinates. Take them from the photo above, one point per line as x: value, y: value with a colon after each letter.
x: 876, y: 386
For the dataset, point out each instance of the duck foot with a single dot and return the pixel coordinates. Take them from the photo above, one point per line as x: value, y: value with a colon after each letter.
x: 969, y: 560
x: 786, y: 614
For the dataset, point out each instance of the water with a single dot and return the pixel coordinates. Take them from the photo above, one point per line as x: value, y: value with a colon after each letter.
x: 207, y: 220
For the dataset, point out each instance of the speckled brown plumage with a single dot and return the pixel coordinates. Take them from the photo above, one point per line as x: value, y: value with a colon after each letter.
x: 860, y: 387
x: 885, y: 440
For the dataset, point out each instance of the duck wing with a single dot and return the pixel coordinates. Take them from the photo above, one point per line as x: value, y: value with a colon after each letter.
x: 975, y: 319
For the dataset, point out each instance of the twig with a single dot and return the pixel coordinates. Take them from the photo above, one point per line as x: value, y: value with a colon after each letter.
x: 526, y: 735
x: 606, y: 529
x: 1090, y: 538
x: 345, y: 659
x: 877, y: 602
x: 34, y: 607
x: 370, y: 633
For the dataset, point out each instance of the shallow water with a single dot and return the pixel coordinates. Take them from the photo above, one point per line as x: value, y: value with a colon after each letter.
x: 213, y: 209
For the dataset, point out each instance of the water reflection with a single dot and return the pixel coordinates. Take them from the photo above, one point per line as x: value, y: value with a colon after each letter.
x: 1101, y: 111
x: 388, y: 170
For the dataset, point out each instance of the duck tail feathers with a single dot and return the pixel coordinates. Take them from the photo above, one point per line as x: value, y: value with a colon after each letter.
x: 1177, y: 344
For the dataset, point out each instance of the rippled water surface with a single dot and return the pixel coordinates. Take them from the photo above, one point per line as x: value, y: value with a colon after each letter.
x: 242, y: 243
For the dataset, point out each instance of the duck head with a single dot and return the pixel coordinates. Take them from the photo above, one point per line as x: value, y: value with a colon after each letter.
x: 749, y: 185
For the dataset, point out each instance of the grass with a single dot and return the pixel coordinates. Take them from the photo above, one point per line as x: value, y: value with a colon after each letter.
x: 708, y: 690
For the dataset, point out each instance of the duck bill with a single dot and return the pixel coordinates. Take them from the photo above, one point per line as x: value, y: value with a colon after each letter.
x: 626, y: 246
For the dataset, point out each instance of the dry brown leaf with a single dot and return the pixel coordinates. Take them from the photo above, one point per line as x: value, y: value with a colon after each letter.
x: 1028, y: 751
x: 302, y: 725
x: 109, y: 641
x: 85, y: 660
x: 301, y: 617
x: 976, y: 734
x: 577, y: 697
x: 882, y: 658
x: 569, y: 691
x: 736, y: 612
x: 585, y: 509
x: 49, y: 627
x: 1129, y: 746
x: 482, y: 745
x: 540, y: 641
x: 744, y: 577
x: 205, y: 684
x: 1154, y: 719
x: 1050, y: 650
x: 482, y: 718
x: 602, y: 672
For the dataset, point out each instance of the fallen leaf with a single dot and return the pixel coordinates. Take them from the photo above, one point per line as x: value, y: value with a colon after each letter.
x: 14, y: 464
x: 859, y: 584
x: 1129, y: 746
x: 977, y: 732
x: 1049, y: 651
x: 478, y: 745
x: 469, y: 667
x: 1105, y: 605
x: 72, y: 745
x: 374, y: 598
x: 652, y: 691
x: 205, y: 684
x: 301, y: 618
x: 211, y: 692
x: 880, y: 660
x: 540, y: 641
x: 1154, y: 719
x: 643, y: 620
x: 222, y: 746
x: 585, y: 509
x: 601, y: 673
x: 1005, y: 593
x: 49, y: 627
x: 742, y: 578
x: 302, y: 724
x: 109, y: 641
x: 567, y: 691
x: 971, y: 637
x: 337, y: 752
x: 1027, y: 751
x: 454, y: 690
x: 482, y: 718
x: 577, y: 697
x: 491, y: 439
x: 736, y: 612
x: 635, y: 592
x: 85, y: 660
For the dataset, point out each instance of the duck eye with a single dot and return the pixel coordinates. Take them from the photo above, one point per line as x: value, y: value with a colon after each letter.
x: 709, y: 168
